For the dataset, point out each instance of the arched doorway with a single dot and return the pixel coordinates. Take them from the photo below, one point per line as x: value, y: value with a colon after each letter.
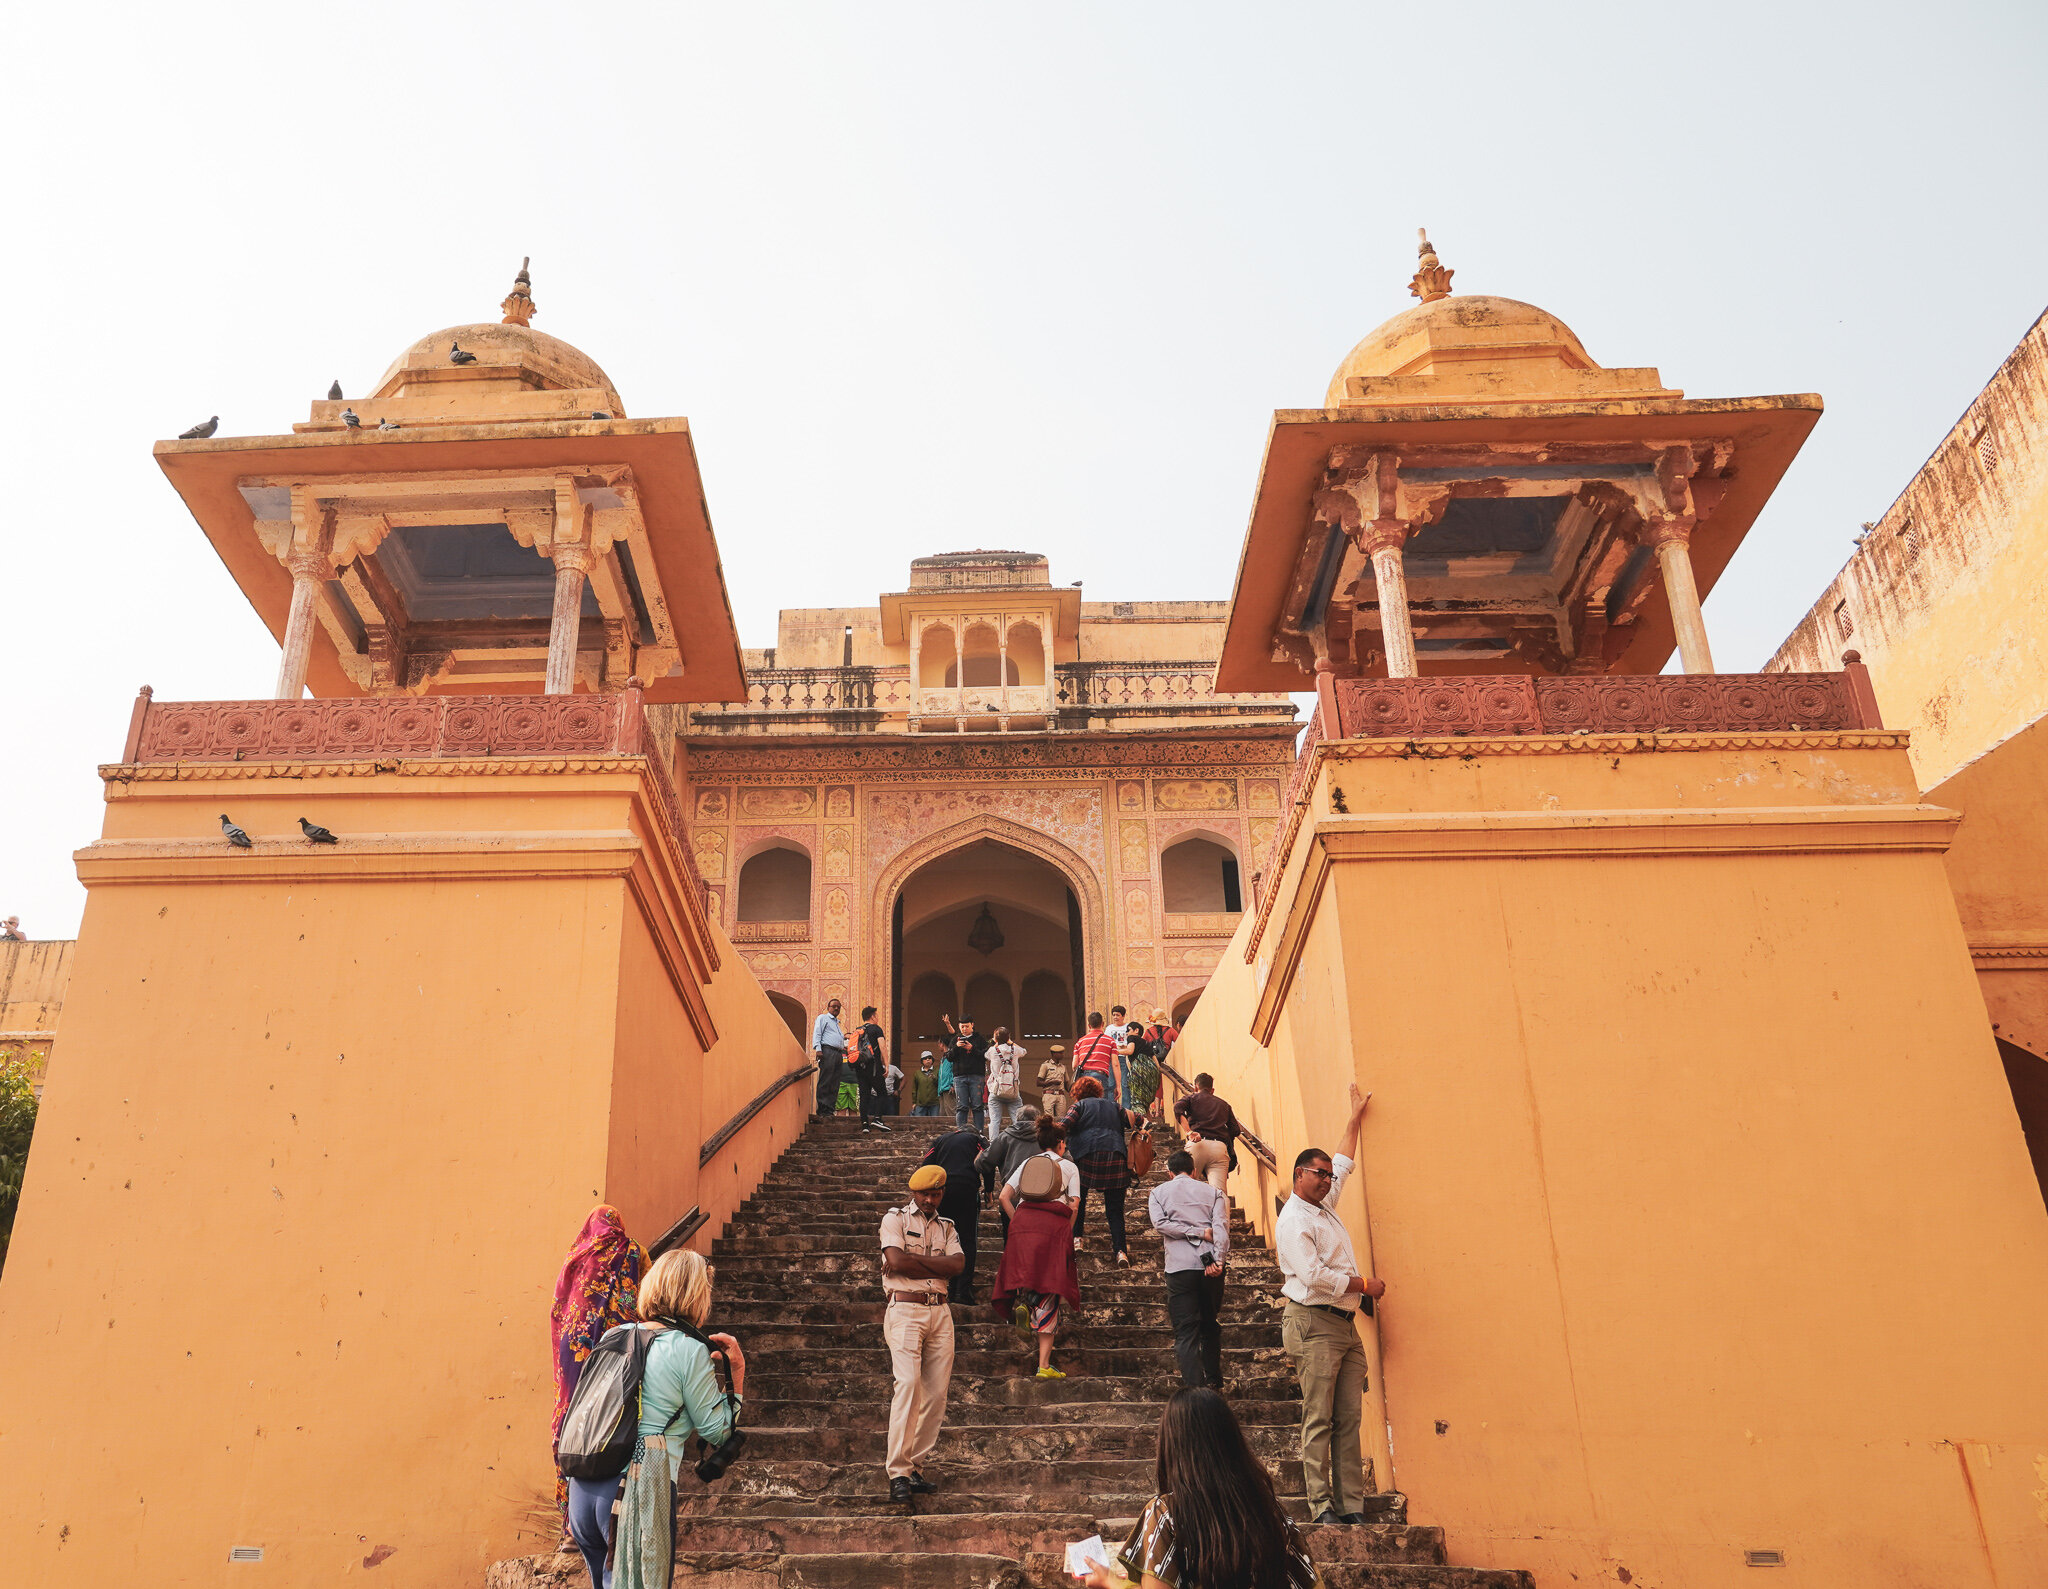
x: 997, y: 924
x: 793, y: 1016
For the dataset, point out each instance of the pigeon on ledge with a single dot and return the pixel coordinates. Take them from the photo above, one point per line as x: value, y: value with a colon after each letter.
x: 387, y: 424
x: 235, y: 835
x: 334, y: 393
x: 200, y: 432
x: 598, y: 413
x: 457, y: 356
x: 350, y: 419
x: 316, y: 833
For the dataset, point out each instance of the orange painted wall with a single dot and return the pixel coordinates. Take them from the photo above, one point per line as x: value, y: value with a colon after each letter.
x: 1704, y: 1212
x: 327, y: 1125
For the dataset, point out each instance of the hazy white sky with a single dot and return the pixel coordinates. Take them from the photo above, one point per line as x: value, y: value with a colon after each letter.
x: 932, y: 277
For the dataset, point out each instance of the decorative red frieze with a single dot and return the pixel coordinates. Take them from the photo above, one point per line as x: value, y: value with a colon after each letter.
x: 1502, y: 705
x: 448, y: 725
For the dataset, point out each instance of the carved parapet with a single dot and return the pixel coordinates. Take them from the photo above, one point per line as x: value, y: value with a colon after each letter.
x: 1506, y: 705
x: 470, y: 725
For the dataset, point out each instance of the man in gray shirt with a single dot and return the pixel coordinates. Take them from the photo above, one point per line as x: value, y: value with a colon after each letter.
x: 1194, y: 1219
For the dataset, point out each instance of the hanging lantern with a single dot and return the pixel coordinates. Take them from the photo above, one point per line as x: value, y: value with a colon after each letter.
x: 985, y: 937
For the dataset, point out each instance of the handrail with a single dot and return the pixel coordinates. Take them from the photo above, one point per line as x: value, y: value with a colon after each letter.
x: 737, y: 1123
x: 1259, y: 1150
x: 678, y: 1233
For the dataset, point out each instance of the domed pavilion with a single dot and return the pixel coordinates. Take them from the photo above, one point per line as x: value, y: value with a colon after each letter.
x: 1477, y: 495
x: 487, y: 520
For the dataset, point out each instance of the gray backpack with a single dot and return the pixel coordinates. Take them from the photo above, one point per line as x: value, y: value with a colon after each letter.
x: 603, y: 1420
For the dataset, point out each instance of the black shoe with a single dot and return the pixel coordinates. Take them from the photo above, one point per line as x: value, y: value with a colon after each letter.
x: 920, y: 1485
x: 1352, y: 1517
x: 1324, y: 1516
x: 899, y: 1492
x: 878, y: 1125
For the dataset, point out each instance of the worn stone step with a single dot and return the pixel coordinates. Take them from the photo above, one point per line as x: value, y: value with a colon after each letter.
x: 806, y: 1413
x: 856, y: 1314
x: 986, y: 1334
x: 969, y: 1445
x: 1013, y: 1534
x: 1152, y: 1387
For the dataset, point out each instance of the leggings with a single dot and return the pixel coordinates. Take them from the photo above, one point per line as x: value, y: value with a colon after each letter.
x: 1112, y: 1213
x: 590, y: 1523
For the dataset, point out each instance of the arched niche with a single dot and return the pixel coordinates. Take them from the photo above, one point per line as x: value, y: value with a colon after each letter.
x: 1045, y: 1008
x: 1184, y: 1006
x: 1027, y: 654
x: 932, y: 995
x: 981, y: 661
x: 775, y: 883
x: 990, y: 1002
x: 793, y: 1016
x: 938, y: 665
x: 1199, y: 873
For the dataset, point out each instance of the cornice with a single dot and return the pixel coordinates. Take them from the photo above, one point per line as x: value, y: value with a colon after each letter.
x: 368, y: 767
x: 1608, y: 744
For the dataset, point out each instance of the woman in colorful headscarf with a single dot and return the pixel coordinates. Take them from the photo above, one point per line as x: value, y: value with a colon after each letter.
x: 599, y: 1287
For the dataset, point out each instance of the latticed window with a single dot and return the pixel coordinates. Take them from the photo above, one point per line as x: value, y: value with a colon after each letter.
x: 1987, y: 450
x: 1844, y: 624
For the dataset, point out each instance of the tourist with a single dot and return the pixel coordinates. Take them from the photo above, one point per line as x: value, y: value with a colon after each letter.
x: 956, y: 1153
x: 1095, y: 1138
x: 1120, y: 1033
x: 599, y: 1287
x: 892, y: 1083
x: 1143, y: 1069
x: 1216, y: 1522
x: 1005, y: 1152
x: 924, y: 1086
x: 828, y: 1048
x: 920, y: 1248
x: 1052, y: 1079
x: 1095, y: 1053
x: 969, y: 1053
x: 1037, y: 1272
x: 1319, y: 1328
x: 1210, y: 1115
x: 1211, y: 1158
x: 678, y: 1390
x: 868, y: 1071
x: 1193, y: 1218
x: 946, y: 1082
x: 1005, y: 1080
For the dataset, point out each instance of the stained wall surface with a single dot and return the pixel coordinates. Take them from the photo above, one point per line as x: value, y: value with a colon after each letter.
x: 1705, y: 1216
x: 328, y: 1123
x: 1944, y: 596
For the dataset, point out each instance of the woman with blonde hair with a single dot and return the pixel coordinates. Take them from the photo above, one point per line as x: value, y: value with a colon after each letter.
x: 679, y: 1396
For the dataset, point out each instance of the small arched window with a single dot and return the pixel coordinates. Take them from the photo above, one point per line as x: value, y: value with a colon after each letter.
x: 775, y: 885
x: 1200, y: 875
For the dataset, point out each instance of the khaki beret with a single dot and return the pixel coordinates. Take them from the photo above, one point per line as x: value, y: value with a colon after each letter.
x: 927, y: 1178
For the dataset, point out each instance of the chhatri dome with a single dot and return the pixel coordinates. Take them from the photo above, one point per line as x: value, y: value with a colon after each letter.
x: 1475, y: 350
x: 511, y: 372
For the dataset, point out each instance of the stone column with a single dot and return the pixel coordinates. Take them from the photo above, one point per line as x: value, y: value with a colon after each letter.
x: 309, y: 570
x: 1671, y: 539
x: 572, y: 563
x: 1382, y: 540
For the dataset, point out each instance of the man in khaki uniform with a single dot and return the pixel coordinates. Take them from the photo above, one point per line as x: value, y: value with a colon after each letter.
x: 921, y: 1252
x: 1052, y: 1076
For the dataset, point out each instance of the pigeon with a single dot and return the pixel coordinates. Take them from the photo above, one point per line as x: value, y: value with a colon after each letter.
x: 200, y: 432
x: 387, y: 424
x: 457, y: 356
x: 235, y: 835
x: 334, y: 393
x: 598, y: 413
x: 350, y: 419
x: 317, y: 833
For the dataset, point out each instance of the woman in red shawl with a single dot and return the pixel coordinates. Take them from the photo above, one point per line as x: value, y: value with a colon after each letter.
x: 598, y: 1288
x: 1037, y: 1271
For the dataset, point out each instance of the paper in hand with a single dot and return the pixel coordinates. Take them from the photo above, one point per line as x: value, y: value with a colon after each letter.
x: 1085, y: 1554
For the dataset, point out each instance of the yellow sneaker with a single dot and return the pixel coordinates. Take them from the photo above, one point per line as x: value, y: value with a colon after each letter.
x: 1050, y: 1373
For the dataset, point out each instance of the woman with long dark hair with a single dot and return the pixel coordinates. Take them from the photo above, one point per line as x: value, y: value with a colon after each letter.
x: 1216, y: 1522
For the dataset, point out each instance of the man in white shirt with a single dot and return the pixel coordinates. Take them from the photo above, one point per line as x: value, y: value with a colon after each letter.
x: 1325, y: 1294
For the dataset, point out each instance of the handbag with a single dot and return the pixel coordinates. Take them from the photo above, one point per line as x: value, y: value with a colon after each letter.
x: 1140, y: 1150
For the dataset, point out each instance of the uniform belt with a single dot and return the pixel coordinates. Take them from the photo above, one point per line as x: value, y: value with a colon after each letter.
x: 929, y: 1299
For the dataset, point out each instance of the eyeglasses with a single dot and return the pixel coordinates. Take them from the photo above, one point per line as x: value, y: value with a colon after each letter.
x: 1318, y: 1175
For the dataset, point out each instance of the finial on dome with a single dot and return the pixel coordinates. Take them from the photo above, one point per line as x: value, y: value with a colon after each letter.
x: 1431, y: 281
x: 518, y: 304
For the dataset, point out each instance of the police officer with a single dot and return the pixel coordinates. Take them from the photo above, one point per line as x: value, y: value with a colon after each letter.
x: 921, y: 1252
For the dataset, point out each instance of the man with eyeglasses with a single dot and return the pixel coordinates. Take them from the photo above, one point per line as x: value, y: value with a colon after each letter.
x: 1325, y: 1294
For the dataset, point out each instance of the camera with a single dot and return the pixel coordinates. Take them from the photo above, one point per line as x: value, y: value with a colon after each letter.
x: 711, y: 1465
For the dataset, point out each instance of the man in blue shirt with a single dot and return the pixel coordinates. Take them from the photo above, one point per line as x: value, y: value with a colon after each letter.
x: 1194, y: 1219
x: 828, y: 1047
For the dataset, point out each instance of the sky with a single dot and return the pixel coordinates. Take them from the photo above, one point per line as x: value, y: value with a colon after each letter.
x: 926, y: 278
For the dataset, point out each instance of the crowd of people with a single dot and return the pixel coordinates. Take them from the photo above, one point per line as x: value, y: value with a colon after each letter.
x: 1216, y: 1520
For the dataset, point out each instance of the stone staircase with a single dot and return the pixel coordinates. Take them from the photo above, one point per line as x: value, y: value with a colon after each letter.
x: 1024, y: 1465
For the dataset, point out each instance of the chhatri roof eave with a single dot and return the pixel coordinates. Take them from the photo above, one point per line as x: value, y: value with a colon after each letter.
x: 1769, y: 429
x: 661, y: 452
x: 896, y: 605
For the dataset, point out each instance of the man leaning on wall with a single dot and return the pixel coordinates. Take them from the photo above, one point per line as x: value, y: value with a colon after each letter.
x: 1325, y: 1294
